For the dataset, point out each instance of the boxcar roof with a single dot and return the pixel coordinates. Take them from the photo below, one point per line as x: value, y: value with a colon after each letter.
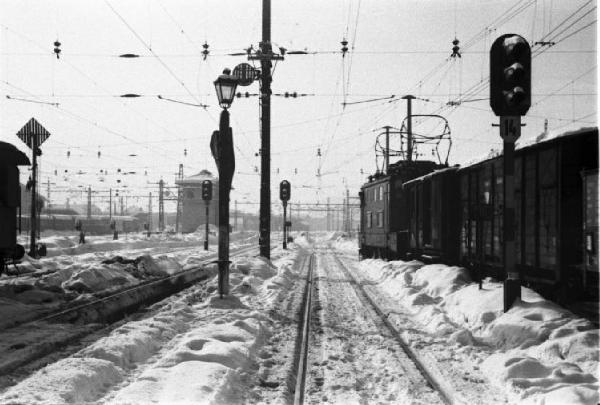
x: 533, y: 143
x: 434, y: 173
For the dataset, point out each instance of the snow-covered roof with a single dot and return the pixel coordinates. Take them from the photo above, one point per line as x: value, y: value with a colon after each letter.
x: 530, y: 142
x: 434, y: 173
x: 198, y: 178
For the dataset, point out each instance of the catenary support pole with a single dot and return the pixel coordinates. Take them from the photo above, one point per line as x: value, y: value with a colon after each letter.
x: 265, y: 152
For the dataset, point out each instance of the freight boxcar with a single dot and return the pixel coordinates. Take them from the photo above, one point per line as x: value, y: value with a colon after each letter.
x: 432, y: 203
x: 549, y: 211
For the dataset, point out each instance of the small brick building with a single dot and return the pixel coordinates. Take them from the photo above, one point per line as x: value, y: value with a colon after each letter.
x: 194, y: 207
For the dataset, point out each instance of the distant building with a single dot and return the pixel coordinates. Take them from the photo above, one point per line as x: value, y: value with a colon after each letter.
x: 194, y: 208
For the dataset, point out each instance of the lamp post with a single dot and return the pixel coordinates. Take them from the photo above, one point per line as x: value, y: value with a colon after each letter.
x: 221, y: 145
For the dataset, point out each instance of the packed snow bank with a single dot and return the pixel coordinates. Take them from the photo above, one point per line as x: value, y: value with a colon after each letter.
x: 56, y: 281
x: 541, y: 352
x: 193, y: 350
x: 346, y: 244
x: 73, y: 380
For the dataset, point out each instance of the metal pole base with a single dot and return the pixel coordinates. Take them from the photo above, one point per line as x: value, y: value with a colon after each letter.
x: 512, y: 292
x: 223, y: 277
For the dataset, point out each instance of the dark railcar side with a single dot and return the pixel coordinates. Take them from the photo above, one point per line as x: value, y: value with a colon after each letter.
x: 549, y: 217
x: 10, y: 202
x: 433, y: 224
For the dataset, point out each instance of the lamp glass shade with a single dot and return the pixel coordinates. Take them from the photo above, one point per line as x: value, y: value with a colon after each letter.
x: 225, y: 86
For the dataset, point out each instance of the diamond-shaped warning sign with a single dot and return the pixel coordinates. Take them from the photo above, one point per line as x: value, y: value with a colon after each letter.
x: 33, y: 131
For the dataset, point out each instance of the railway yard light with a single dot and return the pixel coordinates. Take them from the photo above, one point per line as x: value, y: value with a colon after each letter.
x: 225, y: 86
x: 221, y: 146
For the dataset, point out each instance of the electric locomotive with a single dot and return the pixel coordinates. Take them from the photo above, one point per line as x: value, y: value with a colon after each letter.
x: 384, y: 219
x: 10, y: 202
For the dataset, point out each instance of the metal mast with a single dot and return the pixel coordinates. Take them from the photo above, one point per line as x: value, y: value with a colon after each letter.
x: 265, y: 56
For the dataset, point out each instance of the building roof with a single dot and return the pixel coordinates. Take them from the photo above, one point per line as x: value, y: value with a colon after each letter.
x: 198, y: 178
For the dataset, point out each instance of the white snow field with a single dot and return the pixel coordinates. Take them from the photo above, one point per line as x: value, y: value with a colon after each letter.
x: 196, y: 348
x: 72, y: 271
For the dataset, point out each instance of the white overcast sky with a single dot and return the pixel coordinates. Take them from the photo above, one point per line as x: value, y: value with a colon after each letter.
x: 396, y: 48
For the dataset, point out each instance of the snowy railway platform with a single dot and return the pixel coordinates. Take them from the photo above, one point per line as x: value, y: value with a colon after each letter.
x: 440, y: 339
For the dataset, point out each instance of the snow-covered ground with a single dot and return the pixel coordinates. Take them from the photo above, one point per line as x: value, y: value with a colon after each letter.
x: 538, y: 352
x: 197, y: 348
x: 72, y: 271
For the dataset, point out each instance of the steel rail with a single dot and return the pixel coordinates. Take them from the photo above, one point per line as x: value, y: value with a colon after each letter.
x: 443, y: 390
x: 303, y: 354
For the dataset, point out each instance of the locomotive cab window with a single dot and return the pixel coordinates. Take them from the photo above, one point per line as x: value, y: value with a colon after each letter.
x: 380, y: 219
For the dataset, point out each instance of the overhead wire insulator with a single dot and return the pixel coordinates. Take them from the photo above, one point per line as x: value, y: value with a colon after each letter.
x: 455, y: 49
x: 344, y: 47
x: 205, y: 51
x: 57, y: 49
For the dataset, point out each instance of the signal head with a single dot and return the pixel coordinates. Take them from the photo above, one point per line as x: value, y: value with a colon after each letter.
x: 284, y: 190
x: 207, y: 190
x: 510, y: 75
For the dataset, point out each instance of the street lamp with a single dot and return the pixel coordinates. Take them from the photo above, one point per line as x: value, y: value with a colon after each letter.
x: 225, y: 86
x: 221, y: 146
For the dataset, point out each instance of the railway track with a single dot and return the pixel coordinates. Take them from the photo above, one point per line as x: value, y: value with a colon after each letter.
x: 91, y: 316
x: 329, y: 366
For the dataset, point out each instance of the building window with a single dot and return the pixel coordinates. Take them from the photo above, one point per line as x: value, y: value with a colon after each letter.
x: 380, y: 219
x: 369, y: 219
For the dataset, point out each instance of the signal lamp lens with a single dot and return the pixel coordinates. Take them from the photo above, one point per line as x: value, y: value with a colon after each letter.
x: 516, y: 96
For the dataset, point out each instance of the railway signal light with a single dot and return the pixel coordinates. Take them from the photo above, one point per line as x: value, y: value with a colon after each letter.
x: 57, y: 49
x: 284, y: 190
x: 207, y: 190
x: 510, y: 76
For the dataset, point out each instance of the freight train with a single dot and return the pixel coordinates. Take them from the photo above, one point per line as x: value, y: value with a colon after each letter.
x: 437, y: 213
